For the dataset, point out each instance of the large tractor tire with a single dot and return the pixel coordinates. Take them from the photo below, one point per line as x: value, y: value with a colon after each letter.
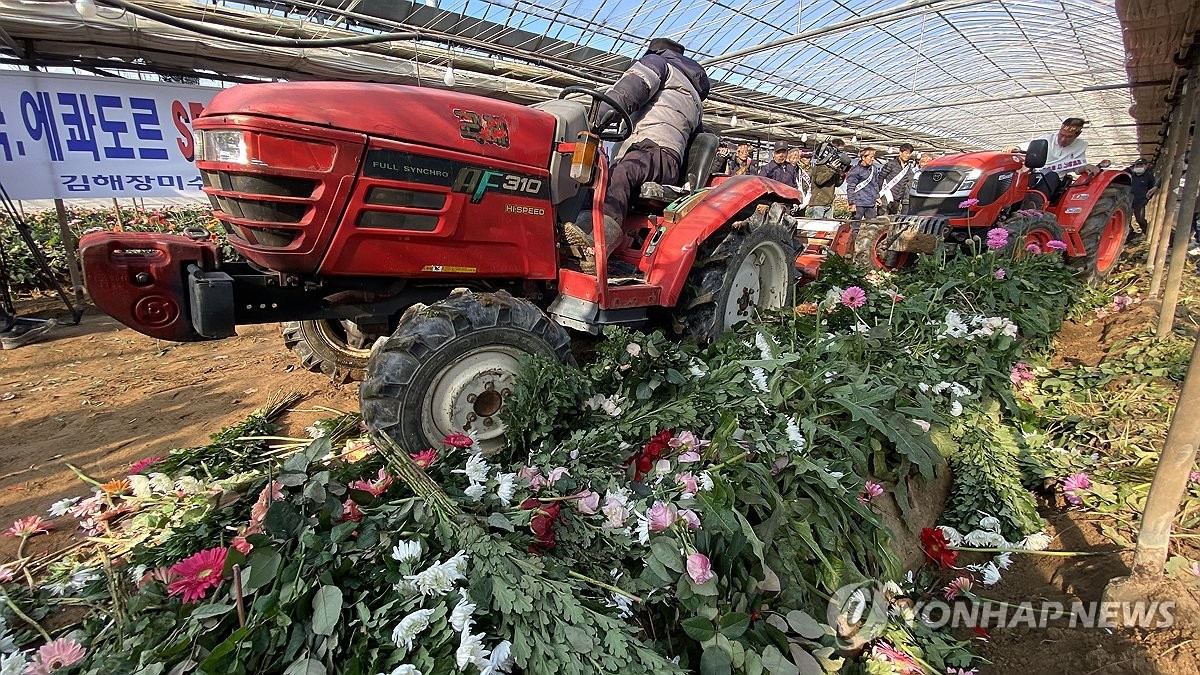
x: 336, y: 348
x: 737, y: 276
x: 449, y: 367
x: 1024, y: 231
x: 869, y: 250
x: 1103, y: 235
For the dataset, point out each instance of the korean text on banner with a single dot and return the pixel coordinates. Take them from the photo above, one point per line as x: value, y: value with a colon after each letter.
x: 65, y: 136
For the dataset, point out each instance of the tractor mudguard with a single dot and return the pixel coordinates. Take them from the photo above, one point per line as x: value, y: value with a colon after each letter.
x: 1077, y: 203
x: 142, y: 280
x: 676, y: 251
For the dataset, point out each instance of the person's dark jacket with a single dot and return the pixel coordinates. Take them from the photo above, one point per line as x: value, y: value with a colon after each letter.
x: 890, y: 170
x: 1140, y: 186
x: 664, y: 93
x: 862, y: 185
x: 722, y: 164
x: 784, y: 173
x: 825, y: 182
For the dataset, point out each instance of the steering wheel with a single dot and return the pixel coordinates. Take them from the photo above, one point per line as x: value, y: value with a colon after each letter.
x: 624, y: 125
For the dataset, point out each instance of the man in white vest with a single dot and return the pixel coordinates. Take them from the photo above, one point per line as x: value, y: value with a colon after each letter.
x: 1067, y: 153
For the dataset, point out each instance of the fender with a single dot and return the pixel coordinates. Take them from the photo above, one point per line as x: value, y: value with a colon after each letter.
x: 719, y: 205
x: 1084, y: 198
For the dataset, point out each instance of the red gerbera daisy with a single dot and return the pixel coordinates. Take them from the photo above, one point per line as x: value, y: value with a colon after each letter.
x: 425, y: 458
x: 459, y: 440
x: 937, y: 548
x: 198, y: 574
x: 143, y: 464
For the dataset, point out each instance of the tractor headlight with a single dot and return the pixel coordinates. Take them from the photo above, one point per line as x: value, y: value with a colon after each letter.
x: 969, y: 181
x: 223, y: 146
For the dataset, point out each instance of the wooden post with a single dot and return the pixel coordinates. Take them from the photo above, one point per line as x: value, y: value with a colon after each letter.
x: 69, y: 243
x: 1183, y: 234
x: 117, y: 213
x: 1162, y: 170
x: 1171, y: 184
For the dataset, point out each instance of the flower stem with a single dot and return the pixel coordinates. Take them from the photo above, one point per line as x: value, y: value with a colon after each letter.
x: 1025, y: 550
x: 601, y: 584
x: 83, y: 476
x: 729, y: 461
x: 23, y: 616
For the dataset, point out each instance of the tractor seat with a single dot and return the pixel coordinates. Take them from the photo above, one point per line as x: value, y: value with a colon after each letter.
x: 653, y: 198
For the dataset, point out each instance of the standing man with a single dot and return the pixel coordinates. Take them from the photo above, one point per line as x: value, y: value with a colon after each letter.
x: 742, y: 165
x: 779, y: 168
x: 1142, y: 186
x: 664, y: 93
x: 827, y: 175
x: 1067, y: 153
x: 862, y: 188
x: 895, y: 177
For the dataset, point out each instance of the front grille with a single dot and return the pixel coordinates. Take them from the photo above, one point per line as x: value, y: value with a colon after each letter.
x: 938, y: 181
x: 262, y: 211
x: 239, y: 197
x: 936, y: 206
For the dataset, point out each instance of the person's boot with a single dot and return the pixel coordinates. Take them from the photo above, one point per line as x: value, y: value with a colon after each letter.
x: 581, y: 245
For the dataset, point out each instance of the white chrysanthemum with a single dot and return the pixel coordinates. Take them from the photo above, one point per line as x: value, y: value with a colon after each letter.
x: 7, y: 643
x: 940, y: 387
x: 953, y: 536
x: 1003, y: 561
x: 765, y: 349
x: 501, y: 660
x: 410, y: 627
x: 406, y: 550
x: 955, y: 326
x: 471, y: 651
x: 161, y: 483
x: 475, y: 491
x: 892, y: 589
x: 922, y: 386
x: 758, y: 377
x: 437, y: 579
x: 611, y: 406
x: 13, y: 664
x: 140, y: 485
x: 985, y: 539
x: 794, y: 435
x: 989, y: 523
x: 506, y: 487
x: 704, y: 481
x: 82, y: 577
x: 956, y: 408
x: 460, y: 618
x: 457, y: 565
x: 1038, y: 541
x: 476, y: 469
x: 187, y: 485
x: 62, y: 506
x: 404, y: 669
x: 315, y: 431
x: 622, y: 604
x: 643, y: 528
x: 958, y: 391
x: 990, y: 574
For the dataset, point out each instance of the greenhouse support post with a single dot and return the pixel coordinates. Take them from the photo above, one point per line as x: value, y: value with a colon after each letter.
x: 1170, y: 183
x: 1157, y: 205
x: 70, y: 245
x: 1183, y: 233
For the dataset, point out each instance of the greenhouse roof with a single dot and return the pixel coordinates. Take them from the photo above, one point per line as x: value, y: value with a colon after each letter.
x: 945, y: 74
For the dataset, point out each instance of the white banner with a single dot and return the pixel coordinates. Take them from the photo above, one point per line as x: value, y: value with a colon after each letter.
x: 66, y: 136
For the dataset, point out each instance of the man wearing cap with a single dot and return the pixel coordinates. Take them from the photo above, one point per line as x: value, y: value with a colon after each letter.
x: 1067, y: 153
x: 664, y: 93
x: 779, y: 168
x: 894, y: 180
x: 1142, y: 185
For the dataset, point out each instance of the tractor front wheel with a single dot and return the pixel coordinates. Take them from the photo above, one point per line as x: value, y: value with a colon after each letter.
x: 1026, y: 232
x: 338, y: 349
x: 738, y: 276
x: 450, y: 366
x: 869, y: 250
x: 1103, y: 235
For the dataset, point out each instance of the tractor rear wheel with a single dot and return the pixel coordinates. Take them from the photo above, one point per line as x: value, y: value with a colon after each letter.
x: 449, y: 367
x: 1026, y: 231
x: 336, y: 348
x: 739, y: 275
x: 1103, y: 235
x: 869, y: 250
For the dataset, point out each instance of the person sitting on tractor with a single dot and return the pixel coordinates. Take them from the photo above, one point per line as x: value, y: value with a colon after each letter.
x: 664, y: 93
x: 1067, y: 153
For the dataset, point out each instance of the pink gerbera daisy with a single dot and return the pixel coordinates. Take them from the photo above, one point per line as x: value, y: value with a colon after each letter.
x: 870, y: 491
x: 6, y: 574
x: 27, y: 527
x: 854, y: 297
x: 54, y: 656
x: 1056, y: 245
x: 959, y: 585
x: 1074, y: 483
x: 143, y: 464
x: 198, y: 574
x: 350, y: 511
x: 459, y: 440
x: 376, y: 487
x: 425, y: 458
x: 1033, y: 248
x: 1000, y: 274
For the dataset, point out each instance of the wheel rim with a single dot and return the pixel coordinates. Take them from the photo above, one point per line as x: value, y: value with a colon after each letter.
x: 1110, y: 241
x: 337, y: 334
x: 880, y: 255
x: 759, y: 283
x: 1039, y: 237
x: 470, y: 393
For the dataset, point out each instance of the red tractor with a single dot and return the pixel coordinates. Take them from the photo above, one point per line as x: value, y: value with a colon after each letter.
x: 959, y: 197
x: 434, y: 219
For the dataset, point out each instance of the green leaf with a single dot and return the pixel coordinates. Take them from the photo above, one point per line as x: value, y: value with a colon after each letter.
x: 804, y: 625
x: 283, y: 520
x: 264, y: 565
x: 715, y: 661
x: 735, y: 624
x: 500, y: 522
x: 777, y: 664
x: 305, y: 666
x: 666, y: 551
x: 698, y: 628
x: 327, y: 608
x: 209, y: 611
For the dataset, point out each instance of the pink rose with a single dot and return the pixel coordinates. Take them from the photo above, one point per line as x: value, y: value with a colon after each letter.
x: 615, y: 512
x: 556, y: 474
x: 688, y: 482
x: 661, y: 516
x: 689, y: 516
x: 699, y: 568
x: 588, y: 502
x: 689, y: 456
